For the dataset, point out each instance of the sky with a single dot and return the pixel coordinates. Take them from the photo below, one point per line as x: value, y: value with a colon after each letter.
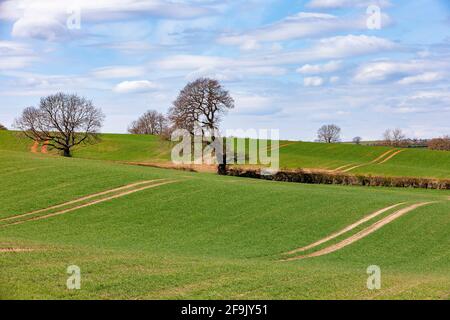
x: 365, y: 65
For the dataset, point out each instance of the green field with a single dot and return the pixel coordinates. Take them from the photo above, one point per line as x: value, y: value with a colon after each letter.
x: 145, y: 148
x: 209, y: 236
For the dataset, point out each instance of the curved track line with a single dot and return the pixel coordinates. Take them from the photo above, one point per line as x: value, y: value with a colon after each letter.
x: 364, y: 164
x: 342, y: 167
x: 391, y: 156
x: 346, y: 229
x: 80, y: 199
x: 382, y: 156
x: 3, y: 250
x: 87, y: 204
x: 362, y: 234
x: 351, y: 168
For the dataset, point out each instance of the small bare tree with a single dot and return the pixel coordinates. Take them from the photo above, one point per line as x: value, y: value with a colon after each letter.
x: 62, y: 121
x: 151, y: 122
x: 394, y: 138
x: 2, y: 127
x: 357, y: 140
x: 329, y: 133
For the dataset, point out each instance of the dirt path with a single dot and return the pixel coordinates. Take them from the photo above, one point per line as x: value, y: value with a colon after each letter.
x: 170, y: 165
x: 81, y: 199
x: 35, y: 147
x: 346, y: 229
x: 88, y: 204
x: 44, y: 148
x: 362, y: 234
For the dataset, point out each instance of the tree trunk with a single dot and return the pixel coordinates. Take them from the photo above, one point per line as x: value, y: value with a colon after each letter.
x: 66, y: 152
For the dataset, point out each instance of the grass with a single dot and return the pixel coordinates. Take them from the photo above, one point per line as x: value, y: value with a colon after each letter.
x: 146, y: 148
x: 209, y: 236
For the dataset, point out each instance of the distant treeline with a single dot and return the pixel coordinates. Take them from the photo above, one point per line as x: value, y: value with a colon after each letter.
x: 302, y: 176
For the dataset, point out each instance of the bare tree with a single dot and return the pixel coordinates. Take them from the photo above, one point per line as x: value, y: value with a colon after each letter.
x: 357, y: 140
x: 387, y: 137
x: 329, y: 133
x: 442, y: 144
x: 62, y: 121
x: 2, y: 127
x: 151, y: 122
x: 201, y: 103
x: 394, y: 138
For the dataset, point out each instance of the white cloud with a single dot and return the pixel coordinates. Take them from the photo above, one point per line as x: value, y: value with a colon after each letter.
x: 234, y: 73
x: 15, y: 55
x: 328, y: 67
x: 39, y: 27
x: 335, y: 4
x: 114, y: 72
x: 328, y: 48
x: 426, y: 77
x: 334, y: 79
x: 301, y: 25
x: 313, y: 81
x: 404, y: 72
x: 46, y: 19
x: 139, y: 86
x: 254, y: 105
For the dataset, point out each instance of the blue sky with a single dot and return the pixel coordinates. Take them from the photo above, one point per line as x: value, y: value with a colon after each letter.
x: 290, y: 65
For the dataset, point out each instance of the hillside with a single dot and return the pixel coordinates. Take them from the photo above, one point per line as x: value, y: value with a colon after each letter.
x: 207, y: 236
x: 345, y: 157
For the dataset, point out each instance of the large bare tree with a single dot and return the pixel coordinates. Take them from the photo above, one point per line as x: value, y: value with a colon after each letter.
x: 62, y: 121
x: 201, y: 103
x: 330, y: 133
x: 151, y: 122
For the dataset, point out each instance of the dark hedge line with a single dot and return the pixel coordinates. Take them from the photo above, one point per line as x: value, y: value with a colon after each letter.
x: 301, y: 176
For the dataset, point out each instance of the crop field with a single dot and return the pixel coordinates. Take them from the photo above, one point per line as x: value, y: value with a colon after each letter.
x: 140, y: 232
x: 383, y: 161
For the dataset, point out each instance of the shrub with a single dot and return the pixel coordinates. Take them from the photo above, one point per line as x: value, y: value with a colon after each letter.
x: 440, y: 144
x: 302, y: 176
x: 2, y: 127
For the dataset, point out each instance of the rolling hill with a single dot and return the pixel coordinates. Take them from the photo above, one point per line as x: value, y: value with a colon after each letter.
x: 345, y: 157
x: 207, y: 236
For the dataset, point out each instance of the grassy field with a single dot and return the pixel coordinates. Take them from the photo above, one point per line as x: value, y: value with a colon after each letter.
x: 209, y: 236
x: 145, y: 148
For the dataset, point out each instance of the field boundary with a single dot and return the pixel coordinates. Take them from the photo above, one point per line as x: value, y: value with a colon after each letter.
x: 339, y: 178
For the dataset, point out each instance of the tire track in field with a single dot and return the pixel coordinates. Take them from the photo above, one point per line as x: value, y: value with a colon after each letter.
x: 81, y: 199
x: 363, y: 164
x: 391, y: 156
x: 6, y: 250
x: 346, y: 229
x: 362, y: 234
x: 381, y: 159
x: 88, y: 204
